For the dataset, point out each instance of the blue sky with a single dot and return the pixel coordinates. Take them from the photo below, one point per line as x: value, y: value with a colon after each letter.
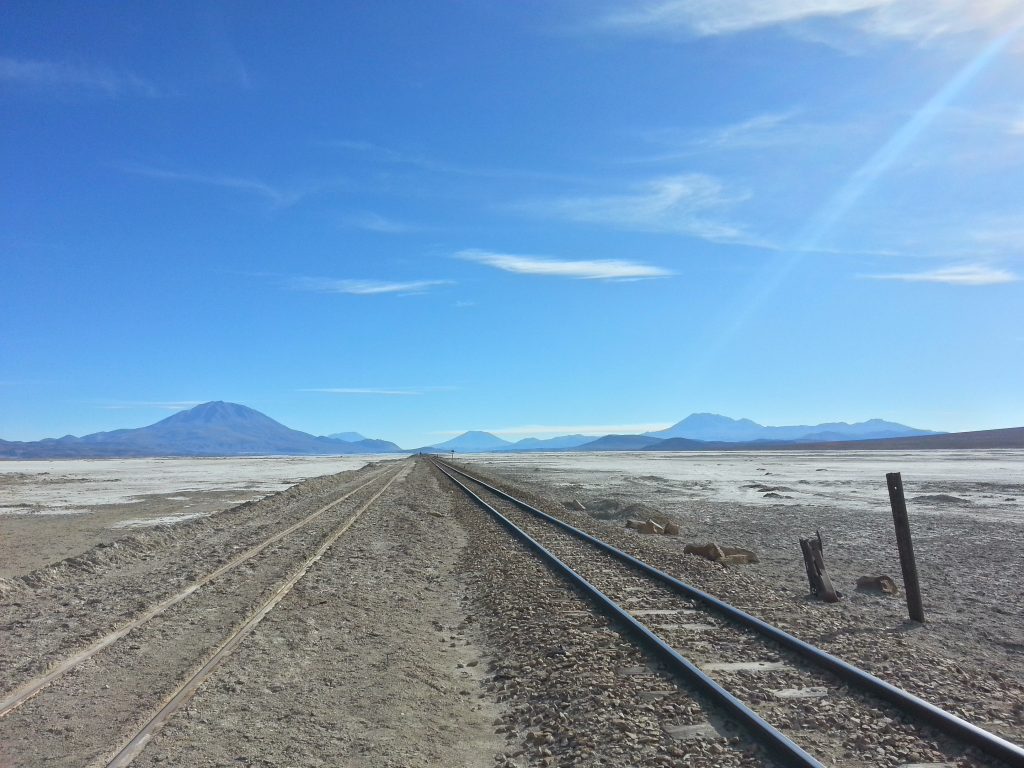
x: 412, y: 219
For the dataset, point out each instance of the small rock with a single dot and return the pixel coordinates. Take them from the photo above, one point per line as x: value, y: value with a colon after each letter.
x: 879, y: 584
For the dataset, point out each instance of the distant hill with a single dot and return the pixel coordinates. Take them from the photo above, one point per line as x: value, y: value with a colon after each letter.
x: 348, y: 437
x: 713, y: 427
x: 210, y: 429
x: 621, y: 443
x: 1012, y: 437
x: 563, y: 443
x: 988, y: 438
x: 371, y: 445
x: 472, y: 442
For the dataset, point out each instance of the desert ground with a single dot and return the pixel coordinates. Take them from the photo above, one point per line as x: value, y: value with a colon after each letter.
x: 966, y: 515
x: 427, y: 636
x: 50, y: 510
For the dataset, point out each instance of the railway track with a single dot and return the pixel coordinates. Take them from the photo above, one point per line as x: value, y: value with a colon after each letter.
x: 756, y: 674
x: 101, y: 705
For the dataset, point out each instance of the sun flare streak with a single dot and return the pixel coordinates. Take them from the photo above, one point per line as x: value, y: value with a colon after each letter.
x: 859, y: 184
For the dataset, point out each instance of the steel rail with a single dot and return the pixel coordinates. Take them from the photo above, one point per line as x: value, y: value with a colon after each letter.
x: 784, y: 748
x: 20, y: 695
x: 188, y: 689
x: 946, y: 722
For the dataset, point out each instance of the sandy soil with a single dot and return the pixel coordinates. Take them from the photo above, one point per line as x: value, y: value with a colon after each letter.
x: 365, y: 665
x: 51, y: 510
x: 361, y: 664
x: 427, y: 636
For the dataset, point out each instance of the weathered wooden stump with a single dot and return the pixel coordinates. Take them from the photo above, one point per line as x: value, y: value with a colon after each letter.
x: 817, y: 576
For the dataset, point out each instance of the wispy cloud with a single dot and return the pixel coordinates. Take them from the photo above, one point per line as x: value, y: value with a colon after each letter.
x: 363, y: 391
x: 966, y: 274
x: 594, y: 269
x: 35, y: 73
x: 374, y: 222
x: 172, y: 405
x: 427, y: 164
x: 364, y: 287
x: 995, y: 236
x: 758, y: 132
x: 275, y: 195
x: 690, y: 204
x: 909, y: 19
x: 541, y: 430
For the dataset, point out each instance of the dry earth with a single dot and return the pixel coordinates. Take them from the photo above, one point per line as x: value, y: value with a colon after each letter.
x: 968, y: 657
x: 426, y: 636
x: 51, y: 510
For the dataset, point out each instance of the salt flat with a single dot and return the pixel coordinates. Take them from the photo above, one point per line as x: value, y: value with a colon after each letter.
x: 989, y: 483
x: 50, y: 510
x: 61, y: 486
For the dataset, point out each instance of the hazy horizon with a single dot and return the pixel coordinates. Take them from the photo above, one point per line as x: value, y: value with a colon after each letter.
x: 535, y: 431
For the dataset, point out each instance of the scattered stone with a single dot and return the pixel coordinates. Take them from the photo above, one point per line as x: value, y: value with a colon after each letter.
x: 745, y: 666
x: 738, y: 556
x: 671, y: 529
x: 691, y: 732
x: 645, y: 526
x: 655, y: 695
x: 877, y: 584
x: 814, y: 692
x: 719, y: 554
x: 635, y: 670
x: 709, y: 551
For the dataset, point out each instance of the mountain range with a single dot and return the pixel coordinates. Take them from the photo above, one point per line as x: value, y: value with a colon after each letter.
x: 703, y: 428
x: 475, y: 441
x: 210, y: 429
x: 230, y: 429
x: 712, y: 427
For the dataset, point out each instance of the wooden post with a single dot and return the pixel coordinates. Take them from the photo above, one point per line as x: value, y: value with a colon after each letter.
x: 814, y: 562
x: 906, y: 546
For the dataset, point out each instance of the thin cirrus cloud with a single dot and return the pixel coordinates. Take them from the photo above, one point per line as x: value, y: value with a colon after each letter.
x: 277, y: 196
x: 375, y: 222
x: 967, y: 275
x: 168, y: 405
x: 58, y: 75
x: 691, y: 204
x: 766, y: 129
x: 908, y: 19
x: 761, y: 131
x: 397, y: 157
x: 365, y: 287
x: 593, y: 269
x: 364, y: 391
